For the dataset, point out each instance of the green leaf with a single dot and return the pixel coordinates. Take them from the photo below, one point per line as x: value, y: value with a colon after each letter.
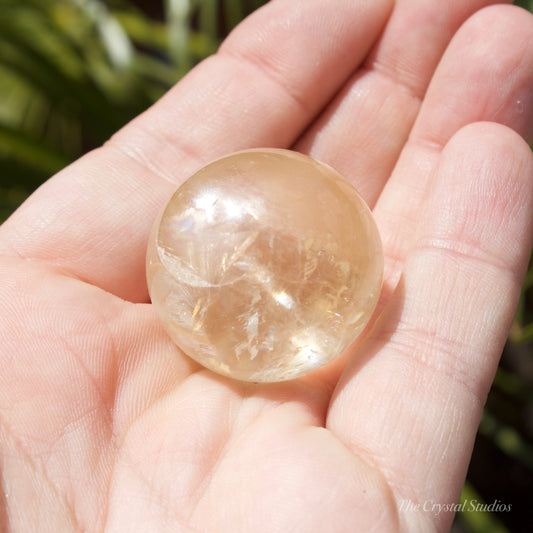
x: 233, y: 12
x: 478, y: 521
x: 209, y: 17
x: 178, y: 14
x: 143, y: 31
x: 34, y: 153
x: 525, y: 335
x: 512, y: 384
x: 527, y: 4
x: 508, y: 439
x: 48, y: 78
x: 115, y: 40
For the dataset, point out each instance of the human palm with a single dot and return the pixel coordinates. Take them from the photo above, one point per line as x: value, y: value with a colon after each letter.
x: 106, y: 426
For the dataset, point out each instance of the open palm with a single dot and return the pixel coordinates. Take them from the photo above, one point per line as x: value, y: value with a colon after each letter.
x: 106, y: 426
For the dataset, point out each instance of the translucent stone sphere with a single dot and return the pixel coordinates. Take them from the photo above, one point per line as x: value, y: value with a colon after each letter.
x: 265, y: 265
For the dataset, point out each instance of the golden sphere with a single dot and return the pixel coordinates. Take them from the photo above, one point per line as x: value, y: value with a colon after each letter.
x: 265, y: 265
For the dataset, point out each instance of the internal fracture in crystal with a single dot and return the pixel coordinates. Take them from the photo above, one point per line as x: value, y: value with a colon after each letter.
x: 265, y: 265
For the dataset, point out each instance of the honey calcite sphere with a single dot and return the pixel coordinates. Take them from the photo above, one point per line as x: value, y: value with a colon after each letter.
x: 265, y: 265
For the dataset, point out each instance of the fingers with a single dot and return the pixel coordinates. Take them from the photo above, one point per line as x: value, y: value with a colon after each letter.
x: 411, y: 400
x: 269, y: 80
x: 486, y: 74
x: 480, y: 77
x: 363, y: 131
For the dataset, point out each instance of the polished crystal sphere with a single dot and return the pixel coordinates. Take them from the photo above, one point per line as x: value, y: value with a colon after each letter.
x: 264, y: 265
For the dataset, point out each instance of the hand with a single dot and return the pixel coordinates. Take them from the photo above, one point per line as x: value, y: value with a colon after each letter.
x: 106, y: 426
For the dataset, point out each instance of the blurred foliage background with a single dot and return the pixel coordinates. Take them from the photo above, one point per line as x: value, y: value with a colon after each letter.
x: 72, y: 72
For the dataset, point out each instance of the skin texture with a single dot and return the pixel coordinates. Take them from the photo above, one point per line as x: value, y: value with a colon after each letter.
x: 105, y: 426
